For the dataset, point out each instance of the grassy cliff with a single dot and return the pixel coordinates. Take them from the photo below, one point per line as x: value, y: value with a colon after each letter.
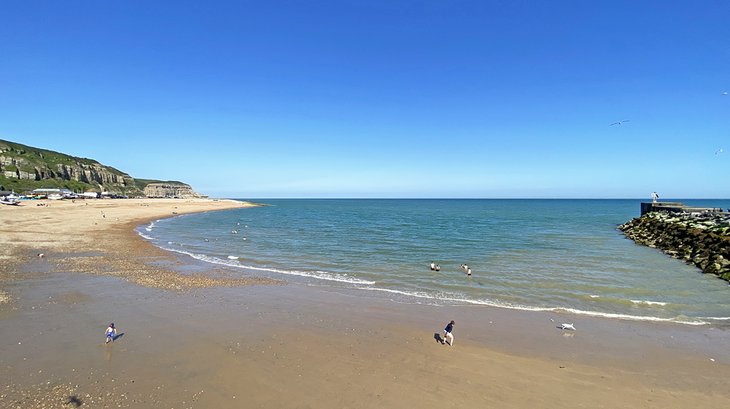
x: 24, y: 168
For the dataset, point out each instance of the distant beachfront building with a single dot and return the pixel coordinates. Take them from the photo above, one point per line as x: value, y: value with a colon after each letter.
x: 109, y: 195
x: 51, y: 191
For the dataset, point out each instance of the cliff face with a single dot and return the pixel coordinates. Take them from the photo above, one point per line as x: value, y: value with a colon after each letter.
x: 703, y: 240
x: 20, y: 168
x: 167, y: 189
x: 26, y: 165
x: 24, y: 168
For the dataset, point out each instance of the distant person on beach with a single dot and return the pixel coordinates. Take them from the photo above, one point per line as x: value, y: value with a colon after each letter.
x: 468, y: 271
x: 448, y: 336
x: 654, y: 197
x: 111, y: 333
x: 433, y: 266
x: 438, y: 267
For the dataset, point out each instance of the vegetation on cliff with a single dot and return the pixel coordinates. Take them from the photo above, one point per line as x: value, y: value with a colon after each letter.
x: 141, y: 183
x: 700, y: 239
x: 24, y: 168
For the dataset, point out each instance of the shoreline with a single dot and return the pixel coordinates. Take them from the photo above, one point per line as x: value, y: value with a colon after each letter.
x: 309, y: 346
x: 639, y: 309
x: 91, y: 238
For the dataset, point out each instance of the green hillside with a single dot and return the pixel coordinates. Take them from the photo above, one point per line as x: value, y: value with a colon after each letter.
x: 24, y: 168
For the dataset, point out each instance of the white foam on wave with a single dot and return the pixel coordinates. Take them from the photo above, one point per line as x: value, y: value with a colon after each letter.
x: 676, y: 320
x: 648, y: 302
x: 490, y: 303
x: 320, y: 275
x: 144, y: 235
x: 368, y: 285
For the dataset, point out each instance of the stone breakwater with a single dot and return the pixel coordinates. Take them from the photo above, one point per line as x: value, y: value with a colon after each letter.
x: 699, y: 239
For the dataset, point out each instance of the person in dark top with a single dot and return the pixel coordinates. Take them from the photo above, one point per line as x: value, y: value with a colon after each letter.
x: 448, y: 336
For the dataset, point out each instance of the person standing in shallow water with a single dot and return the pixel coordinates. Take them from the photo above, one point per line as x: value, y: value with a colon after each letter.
x: 448, y: 336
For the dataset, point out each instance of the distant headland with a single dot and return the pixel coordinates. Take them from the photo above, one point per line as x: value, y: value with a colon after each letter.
x: 25, y: 168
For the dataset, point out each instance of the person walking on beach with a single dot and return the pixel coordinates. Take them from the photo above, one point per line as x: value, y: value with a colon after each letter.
x: 654, y: 197
x: 111, y: 333
x: 448, y: 336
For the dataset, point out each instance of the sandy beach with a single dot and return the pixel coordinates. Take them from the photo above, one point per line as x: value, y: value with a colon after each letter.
x: 195, y: 336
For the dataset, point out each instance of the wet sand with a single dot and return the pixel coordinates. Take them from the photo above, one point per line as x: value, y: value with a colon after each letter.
x: 97, y: 237
x: 218, y: 341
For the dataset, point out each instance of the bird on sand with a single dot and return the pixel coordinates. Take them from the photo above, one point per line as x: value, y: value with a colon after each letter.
x: 620, y: 122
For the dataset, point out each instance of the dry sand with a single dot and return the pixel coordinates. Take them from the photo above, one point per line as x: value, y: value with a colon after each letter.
x: 211, y: 340
x: 92, y: 237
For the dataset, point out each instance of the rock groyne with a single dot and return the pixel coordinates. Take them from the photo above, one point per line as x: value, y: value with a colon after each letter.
x: 702, y: 239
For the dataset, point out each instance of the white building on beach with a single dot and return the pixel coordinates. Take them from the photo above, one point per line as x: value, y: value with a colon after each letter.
x: 52, y: 191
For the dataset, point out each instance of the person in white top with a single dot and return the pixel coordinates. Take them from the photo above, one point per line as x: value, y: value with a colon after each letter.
x: 111, y: 333
x: 654, y: 197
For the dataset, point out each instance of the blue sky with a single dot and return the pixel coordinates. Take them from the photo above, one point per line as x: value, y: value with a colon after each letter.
x: 379, y: 98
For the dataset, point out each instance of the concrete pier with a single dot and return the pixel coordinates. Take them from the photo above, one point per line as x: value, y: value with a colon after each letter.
x: 675, y: 207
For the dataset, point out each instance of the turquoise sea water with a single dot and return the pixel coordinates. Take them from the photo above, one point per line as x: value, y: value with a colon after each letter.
x: 553, y: 255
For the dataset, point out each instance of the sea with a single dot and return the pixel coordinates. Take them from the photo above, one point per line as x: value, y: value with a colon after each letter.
x: 538, y: 255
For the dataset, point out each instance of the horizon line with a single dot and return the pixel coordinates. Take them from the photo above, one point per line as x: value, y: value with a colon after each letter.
x: 469, y: 198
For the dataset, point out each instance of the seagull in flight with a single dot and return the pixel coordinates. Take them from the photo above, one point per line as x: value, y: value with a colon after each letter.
x: 620, y: 122
x: 724, y: 93
x: 718, y: 152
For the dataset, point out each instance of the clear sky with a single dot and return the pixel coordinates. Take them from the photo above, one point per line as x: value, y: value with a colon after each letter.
x: 379, y: 98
